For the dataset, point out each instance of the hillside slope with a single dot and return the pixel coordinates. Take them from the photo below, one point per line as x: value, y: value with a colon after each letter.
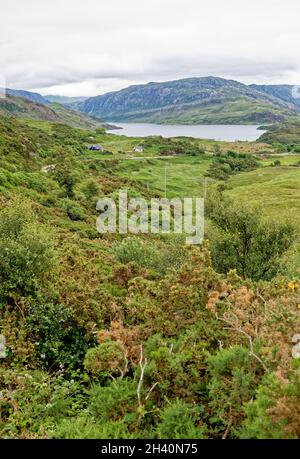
x: 32, y: 96
x: 20, y: 107
x: 285, y: 92
x: 65, y: 100
x: 284, y: 133
x: 206, y: 100
x: 82, y: 313
x: 24, y: 108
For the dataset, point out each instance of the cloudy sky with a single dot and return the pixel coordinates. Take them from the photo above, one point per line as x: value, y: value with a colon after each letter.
x: 76, y: 47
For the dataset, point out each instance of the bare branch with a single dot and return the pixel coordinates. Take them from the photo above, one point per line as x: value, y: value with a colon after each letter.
x: 240, y: 330
x: 143, y: 362
x: 229, y: 425
x: 140, y: 384
x: 149, y: 392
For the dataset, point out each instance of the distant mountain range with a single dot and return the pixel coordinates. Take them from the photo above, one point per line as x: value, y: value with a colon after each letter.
x: 39, y: 99
x: 65, y: 100
x: 32, y: 96
x: 283, y: 92
x: 208, y: 100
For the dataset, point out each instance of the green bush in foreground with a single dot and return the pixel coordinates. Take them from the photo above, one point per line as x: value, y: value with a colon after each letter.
x: 26, y: 251
x: 244, y: 241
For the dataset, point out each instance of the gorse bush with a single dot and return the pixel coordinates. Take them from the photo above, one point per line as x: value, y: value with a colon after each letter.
x: 275, y: 412
x: 114, y: 401
x: 181, y: 420
x: 86, y: 428
x: 107, y: 357
x: 233, y: 374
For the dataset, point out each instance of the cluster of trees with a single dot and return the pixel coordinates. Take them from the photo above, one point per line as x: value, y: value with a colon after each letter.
x: 178, y: 146
x: 226, y: 164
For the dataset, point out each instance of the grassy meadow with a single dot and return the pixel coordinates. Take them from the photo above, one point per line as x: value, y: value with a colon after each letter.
x: 275, y: 188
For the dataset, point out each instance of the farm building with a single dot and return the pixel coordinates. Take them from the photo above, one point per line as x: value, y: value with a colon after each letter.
x: 138, y: 149
x: 95, y: 147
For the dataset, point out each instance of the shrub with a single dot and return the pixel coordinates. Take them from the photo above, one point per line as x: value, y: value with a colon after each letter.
x: 242, y: 240
x: 226, y: 164
x: 232, y: 377
x: 136, y: 251
x: 64, y: 174
x: 107, y: 357
x: 90, y: 189
x: 274, y: 414
x: 161, y: 258
x: 113, y: 402
x: 26, y: 250
x: 86, y: 428
x: 276, y: 163
x: 74, y: 211
x: 60, y: 342
x: 180, y: 420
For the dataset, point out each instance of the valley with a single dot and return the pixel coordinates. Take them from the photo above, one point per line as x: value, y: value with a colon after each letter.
x: 149, y: 228
x: 79, y: 310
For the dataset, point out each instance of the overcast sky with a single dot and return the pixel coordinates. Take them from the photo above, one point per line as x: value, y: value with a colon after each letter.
x: 89, y: 47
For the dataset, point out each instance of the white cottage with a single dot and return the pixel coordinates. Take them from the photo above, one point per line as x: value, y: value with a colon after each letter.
x: 138, y: 149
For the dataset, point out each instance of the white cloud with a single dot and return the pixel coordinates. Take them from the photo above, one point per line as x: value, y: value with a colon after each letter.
x: 73, y: 47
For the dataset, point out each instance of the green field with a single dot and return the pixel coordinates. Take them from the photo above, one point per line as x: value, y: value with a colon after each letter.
x: 277, y: 191
x: 183, y: 177
x: 275, y: 188
x: 285, y: 160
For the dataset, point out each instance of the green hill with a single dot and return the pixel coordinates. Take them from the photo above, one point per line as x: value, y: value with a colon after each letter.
x: 284, y: 133
x: 207, y: 100
x: 29, y: 95
x: 24, y: 108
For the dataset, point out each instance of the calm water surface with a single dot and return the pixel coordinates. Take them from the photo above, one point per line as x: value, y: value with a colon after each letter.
x: 228, y: 133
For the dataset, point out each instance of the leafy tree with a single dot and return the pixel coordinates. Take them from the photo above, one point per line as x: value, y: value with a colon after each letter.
x: 244, y: 241
x: 26, y: 250
x: 90, y: 189
x: 65, y: 174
